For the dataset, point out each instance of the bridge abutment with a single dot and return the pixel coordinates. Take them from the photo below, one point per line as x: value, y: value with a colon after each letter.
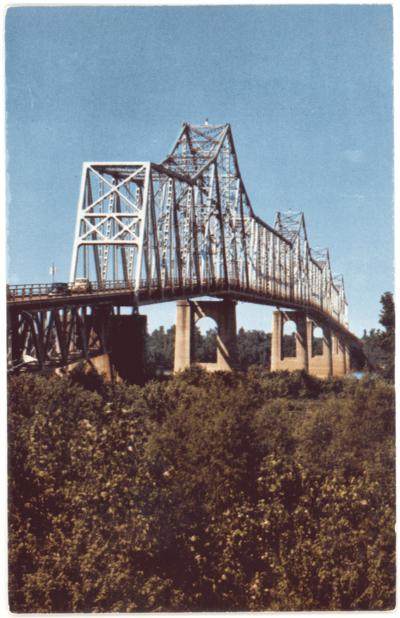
x: 224, y: 314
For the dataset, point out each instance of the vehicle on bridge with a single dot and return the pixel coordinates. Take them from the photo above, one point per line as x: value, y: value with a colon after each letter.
x: 59, y: 289
x: 81, y: 285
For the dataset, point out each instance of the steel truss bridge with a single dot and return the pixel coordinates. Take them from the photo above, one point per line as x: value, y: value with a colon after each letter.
x: 149, y: 232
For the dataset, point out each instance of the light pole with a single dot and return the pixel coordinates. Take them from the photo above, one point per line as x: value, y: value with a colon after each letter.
x: 53, y: 271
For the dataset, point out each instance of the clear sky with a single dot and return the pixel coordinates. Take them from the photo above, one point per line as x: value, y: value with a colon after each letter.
x: 307, y: 90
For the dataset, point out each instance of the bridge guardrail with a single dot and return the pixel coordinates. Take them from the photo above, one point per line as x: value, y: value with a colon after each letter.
x: 31, y: 290
x: 34, y: 290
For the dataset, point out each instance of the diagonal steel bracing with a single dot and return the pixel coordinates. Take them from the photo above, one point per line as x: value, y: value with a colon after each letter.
x: 189, y: 221
x: 58, y: 336
x: 148, y: 232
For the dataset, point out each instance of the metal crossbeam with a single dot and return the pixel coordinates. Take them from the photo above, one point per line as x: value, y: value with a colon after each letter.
x: 190, y: 219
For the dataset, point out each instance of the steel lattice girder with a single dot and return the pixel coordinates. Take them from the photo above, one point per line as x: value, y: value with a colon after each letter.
x: 189, y: 219
x: 57, y: 337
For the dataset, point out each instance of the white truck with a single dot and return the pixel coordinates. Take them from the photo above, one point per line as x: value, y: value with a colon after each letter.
x: 81, y: 285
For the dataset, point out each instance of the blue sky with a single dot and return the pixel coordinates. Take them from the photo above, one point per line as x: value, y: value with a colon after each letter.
x: 307, y: 90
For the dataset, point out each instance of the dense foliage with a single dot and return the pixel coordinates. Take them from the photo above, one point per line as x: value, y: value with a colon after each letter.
x: 241, y: 491
x: 378, y: 345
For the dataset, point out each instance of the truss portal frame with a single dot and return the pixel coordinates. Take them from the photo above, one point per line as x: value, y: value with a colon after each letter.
x: 189, y: 221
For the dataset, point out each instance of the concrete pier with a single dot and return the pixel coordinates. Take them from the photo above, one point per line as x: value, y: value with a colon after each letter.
x: 339, y: 357
x: 319, y: 365
x: 279, y: 362
x: 190, y: 312
x: 183, y: 335
x: 335, y: 356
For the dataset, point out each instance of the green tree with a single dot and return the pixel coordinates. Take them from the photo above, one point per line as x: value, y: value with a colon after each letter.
x: 379, y: 346
x: 160, y: 351
x: 387, y: 319
x: 387, y: 315
x: 225, y: 491
x: 254, y: 348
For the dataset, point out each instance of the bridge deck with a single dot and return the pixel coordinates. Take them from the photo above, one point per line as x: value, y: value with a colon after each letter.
x: 36, y: 297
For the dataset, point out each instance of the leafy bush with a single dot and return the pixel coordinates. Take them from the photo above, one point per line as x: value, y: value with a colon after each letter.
x: 225, y: 491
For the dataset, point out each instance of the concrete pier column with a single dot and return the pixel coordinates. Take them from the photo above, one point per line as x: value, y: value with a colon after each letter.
x: 276, y: 340
x: 183, y: 335
x: 301, y: 341
x: 347, y: 358
x: 338, y: 357
x: 224, y: 314
x: 226, y: 338
x: 319, y: 365
x: 278, y: 361
x: 327, y: 348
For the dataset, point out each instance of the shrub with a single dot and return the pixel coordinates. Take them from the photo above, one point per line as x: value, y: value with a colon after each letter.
x: 241, y: 491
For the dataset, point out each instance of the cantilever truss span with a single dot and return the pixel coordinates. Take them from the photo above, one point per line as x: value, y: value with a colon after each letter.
x: 189, y: 222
